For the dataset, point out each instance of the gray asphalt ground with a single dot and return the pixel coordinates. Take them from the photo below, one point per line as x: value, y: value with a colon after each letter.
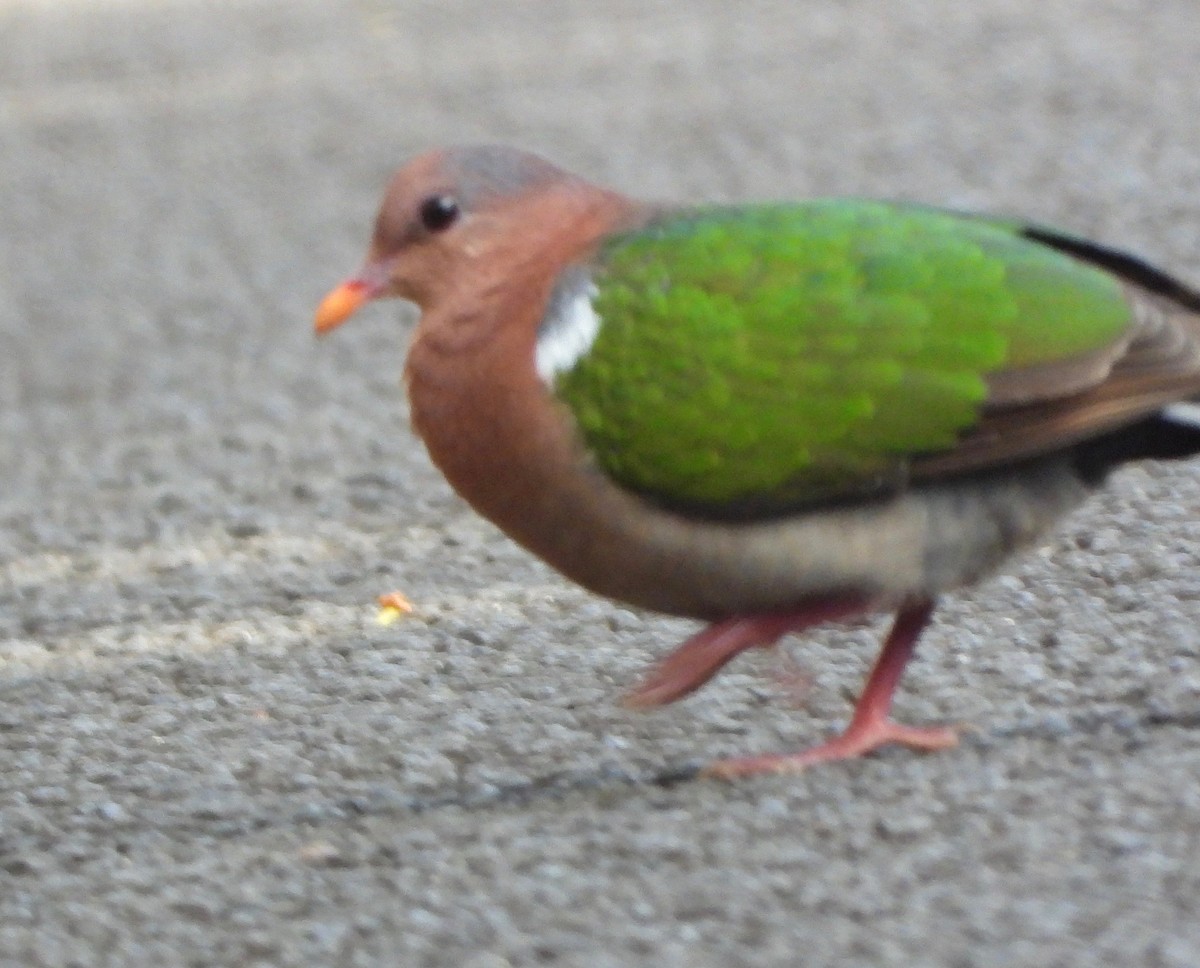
x: 210, y: 754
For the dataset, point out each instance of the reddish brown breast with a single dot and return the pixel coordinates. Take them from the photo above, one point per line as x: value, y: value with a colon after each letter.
x: 490, y: 424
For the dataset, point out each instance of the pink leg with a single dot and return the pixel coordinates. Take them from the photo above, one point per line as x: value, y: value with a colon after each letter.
x: 871, y: 726
x: 704, y: 655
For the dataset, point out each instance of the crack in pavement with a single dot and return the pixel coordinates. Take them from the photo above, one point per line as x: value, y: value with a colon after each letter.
x: 204, y: 822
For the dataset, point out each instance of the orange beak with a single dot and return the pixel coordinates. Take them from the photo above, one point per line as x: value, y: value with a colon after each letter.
x: 342, y: 303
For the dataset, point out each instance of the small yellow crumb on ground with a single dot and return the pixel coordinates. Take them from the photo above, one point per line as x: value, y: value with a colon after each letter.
x: 392, y: 606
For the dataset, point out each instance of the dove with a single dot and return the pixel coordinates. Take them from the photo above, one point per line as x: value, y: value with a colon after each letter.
x: 769, y: 416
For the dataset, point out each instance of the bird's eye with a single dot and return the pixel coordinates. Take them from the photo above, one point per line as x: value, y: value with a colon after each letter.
x: 439, y: 212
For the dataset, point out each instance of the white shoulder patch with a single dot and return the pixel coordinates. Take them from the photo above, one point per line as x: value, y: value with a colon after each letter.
x: 1186, y: 412
x: 568, y: 331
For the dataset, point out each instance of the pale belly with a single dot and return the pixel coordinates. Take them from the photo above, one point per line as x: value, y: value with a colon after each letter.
x: 925, y: 541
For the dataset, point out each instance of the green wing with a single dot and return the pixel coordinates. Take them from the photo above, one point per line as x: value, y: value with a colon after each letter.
x: 783, y: 354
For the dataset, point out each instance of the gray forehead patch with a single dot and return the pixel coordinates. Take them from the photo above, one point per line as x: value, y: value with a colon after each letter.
x: 488, y: 170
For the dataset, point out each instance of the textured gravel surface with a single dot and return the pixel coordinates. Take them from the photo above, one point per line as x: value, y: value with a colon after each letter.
x: 210, y: 754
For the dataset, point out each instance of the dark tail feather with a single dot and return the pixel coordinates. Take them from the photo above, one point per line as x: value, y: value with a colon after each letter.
x: 1171, y: 434
x: 1119, y: 263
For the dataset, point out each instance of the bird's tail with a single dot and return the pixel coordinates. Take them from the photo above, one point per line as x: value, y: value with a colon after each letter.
x: 1173, y: 433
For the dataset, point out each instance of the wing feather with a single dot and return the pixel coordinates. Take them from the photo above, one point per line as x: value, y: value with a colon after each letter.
x: 757, y: 360
x: 1035, y: 412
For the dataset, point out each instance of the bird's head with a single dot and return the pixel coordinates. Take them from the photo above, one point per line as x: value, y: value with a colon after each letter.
x: 446, y: 214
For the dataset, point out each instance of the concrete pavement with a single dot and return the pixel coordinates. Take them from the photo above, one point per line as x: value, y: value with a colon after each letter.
x: 211, y: 755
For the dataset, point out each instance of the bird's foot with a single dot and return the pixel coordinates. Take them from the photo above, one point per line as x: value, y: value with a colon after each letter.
x: 857, y: 740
